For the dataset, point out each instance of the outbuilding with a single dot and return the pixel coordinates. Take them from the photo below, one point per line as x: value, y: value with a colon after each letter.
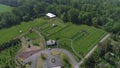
x: 51, y: 42
x: 51, y: 15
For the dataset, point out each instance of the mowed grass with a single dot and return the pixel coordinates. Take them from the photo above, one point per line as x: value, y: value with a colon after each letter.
x: 62, y: 32
x: 5, y: 8
x: 33, y: 35
x: 13, y: 32
x: 48, y: 28
x: 84, y: 43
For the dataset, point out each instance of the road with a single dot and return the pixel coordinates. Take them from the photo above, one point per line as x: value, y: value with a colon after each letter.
x: 34, y: 57
x: 70, y: 56
x: 90, y: 52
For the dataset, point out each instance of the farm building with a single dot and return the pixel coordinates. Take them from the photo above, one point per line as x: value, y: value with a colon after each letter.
x: 50, y: 15
x: 51, y: 42
x: 57, y: 67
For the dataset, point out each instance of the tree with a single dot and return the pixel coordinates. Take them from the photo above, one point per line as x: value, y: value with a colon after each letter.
x: 116, y: 27
x: 72, y: 15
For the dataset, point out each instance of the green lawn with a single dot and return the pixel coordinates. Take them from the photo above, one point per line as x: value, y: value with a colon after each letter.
x: 5, y: 8
x: 13, y: 32
x: 62, y: 32
x: 32, y: 36
x: 47, y: 29
x: 82, y: 44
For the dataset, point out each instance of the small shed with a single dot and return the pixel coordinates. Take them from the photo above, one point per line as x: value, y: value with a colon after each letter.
x: 51, y: 15
x: 51, y: 42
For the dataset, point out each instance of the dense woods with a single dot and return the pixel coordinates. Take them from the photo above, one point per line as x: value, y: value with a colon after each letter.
x: 98, y: 13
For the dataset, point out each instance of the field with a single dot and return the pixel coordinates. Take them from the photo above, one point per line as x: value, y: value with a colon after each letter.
x: 78, y: 39
x: 13, y: 32
x: 5, y: 8
x: 33, y: 35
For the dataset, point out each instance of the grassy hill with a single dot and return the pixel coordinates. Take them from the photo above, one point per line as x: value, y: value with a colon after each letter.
x: 13, y: 32
x: 5, y: 8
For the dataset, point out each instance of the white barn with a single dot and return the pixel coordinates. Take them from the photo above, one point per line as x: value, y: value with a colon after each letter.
x: 57, y: 67
x: 50, y: 15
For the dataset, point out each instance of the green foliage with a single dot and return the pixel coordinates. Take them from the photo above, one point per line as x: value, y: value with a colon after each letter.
x: 94, y: 12
x: 106, y: 55
x: 7, y: 56
x: 4, y: 8
x: 65, y: 61
x: 9, y: 44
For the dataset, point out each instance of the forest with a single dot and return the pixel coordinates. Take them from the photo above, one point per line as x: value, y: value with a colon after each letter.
x: 99, y: 13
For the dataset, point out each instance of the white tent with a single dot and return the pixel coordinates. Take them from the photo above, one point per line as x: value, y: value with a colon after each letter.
x: 50, y: 15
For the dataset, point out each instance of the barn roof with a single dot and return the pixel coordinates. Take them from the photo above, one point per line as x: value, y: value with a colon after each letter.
x: 50, y: 15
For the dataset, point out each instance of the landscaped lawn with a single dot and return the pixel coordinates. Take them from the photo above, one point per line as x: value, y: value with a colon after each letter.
x: 5, y: 8
x: 48, y: 28
x: 82, y: 44
x: 63, y: 33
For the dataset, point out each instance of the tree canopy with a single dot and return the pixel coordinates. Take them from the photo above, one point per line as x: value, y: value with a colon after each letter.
x: 98, y: 13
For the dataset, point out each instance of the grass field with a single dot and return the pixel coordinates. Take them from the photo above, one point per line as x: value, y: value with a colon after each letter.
x: 13, y: 32
x: 5, y: 8
x: 47, y: 29
x: 33, y: 35
x: 83, y: 43
x: 79, y: 38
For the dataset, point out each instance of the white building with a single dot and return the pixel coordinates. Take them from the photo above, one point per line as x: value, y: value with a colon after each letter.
x: 50, y: 15
x: 51, y: 42
x: 57, y: 67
